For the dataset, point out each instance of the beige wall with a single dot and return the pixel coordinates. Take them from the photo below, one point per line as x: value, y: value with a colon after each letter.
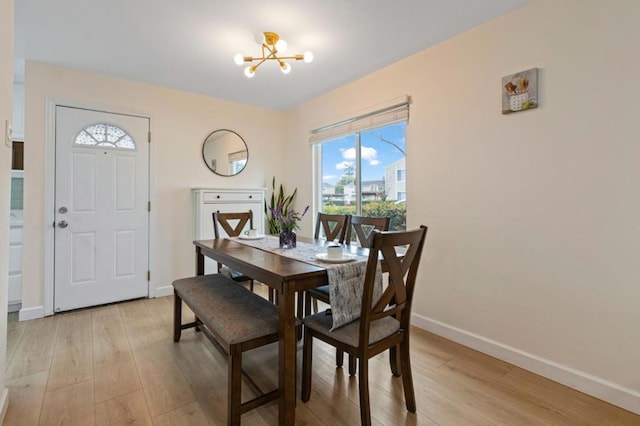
x: 6, y: 110
x: 180, y: 122
x: 533, y: 217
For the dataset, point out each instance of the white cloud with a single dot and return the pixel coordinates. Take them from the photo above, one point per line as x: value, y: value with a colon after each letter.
x: 369, y: 155
x: 349, y: 154
x: 327, y: 178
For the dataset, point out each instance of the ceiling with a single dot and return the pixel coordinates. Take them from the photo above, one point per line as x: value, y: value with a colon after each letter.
x: 189, y: 45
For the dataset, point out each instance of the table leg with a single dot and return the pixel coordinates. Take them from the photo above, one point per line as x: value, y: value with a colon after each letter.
x: 199, y: 262
x: 287, y: 357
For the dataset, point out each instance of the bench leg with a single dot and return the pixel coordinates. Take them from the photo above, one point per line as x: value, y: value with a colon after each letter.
x: 177, y: 317
x: 234, y: 393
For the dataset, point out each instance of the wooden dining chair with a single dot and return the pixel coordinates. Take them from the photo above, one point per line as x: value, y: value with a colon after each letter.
x: 382, y: 325
x: 360, y: 229
x: 234, y: 224
x: 331, y: 227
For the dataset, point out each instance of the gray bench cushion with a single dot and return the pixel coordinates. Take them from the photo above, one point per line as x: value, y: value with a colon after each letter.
x: 223, y: 305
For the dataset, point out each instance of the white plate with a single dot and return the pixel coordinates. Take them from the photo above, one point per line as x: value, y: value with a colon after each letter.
x: 346, y: 257
x: 248, y: 237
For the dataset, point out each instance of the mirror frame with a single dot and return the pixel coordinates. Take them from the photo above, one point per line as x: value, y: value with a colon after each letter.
x: 213, y: 168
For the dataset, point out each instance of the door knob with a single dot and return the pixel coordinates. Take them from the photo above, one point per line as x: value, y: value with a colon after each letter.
x: 62, y: 224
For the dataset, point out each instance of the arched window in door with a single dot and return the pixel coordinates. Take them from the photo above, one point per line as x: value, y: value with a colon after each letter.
x: 103, y: 134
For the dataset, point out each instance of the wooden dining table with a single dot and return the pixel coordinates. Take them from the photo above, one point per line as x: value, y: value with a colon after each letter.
x: 287, y: 277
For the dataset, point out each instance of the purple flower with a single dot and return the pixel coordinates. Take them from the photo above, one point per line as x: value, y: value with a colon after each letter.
x: 287, y: 221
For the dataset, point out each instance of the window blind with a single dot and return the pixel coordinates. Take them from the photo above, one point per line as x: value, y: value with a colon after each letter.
x: 381, y: 117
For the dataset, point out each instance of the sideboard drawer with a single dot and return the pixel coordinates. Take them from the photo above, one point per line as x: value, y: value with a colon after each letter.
x: 232, y: 197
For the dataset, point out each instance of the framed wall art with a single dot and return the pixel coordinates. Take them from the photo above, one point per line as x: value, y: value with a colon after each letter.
x: 520, y: 91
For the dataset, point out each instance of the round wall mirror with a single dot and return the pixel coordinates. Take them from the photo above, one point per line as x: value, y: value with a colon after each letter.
x: 225, y: 152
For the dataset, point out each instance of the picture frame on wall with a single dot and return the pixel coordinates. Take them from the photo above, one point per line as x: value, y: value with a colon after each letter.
x: 520, y: 91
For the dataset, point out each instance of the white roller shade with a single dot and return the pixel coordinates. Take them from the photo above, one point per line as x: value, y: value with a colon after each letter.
x: 382, y: 117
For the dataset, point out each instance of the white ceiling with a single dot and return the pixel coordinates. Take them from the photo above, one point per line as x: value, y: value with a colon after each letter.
x: 189, y: 45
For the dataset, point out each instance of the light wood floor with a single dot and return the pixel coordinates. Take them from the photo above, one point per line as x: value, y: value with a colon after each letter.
x: 118, y: 365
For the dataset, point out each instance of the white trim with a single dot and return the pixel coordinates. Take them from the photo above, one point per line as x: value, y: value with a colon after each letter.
x: 166, y: 290
x: 597, y: 387
x: 49, y: 201
x: 153, y: 244
x: 50, y: 190
x: 4, y: 404
x: 27, y: 314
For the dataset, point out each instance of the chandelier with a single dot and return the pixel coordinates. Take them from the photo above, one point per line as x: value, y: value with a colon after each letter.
x: 272, y: 46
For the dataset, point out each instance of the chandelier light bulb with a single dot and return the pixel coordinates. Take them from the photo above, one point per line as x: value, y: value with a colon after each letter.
x: 308, y: 56
x: 273, y: 49
x: 285, y: 68
x: 281, y: 46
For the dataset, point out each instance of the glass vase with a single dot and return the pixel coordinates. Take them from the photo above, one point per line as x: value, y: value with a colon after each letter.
x: 287, y: 239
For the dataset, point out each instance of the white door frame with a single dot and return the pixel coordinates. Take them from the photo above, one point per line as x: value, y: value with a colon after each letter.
x: 50, y: 190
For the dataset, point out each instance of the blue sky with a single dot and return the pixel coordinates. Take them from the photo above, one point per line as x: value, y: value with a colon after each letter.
x: 339, y: 154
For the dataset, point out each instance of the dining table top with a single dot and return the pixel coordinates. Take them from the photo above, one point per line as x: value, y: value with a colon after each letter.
x: 271, y: 266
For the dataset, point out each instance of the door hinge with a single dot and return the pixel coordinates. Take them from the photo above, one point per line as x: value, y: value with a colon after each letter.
x: 149, y: 137
x: 148, y: 275
x: 148, y: 206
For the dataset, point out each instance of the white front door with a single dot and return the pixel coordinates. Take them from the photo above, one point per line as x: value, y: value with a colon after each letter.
x: 101, y: 202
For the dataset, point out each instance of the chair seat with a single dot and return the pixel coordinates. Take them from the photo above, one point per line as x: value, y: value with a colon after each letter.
x: 349, y: 334
x: 324, y: 289
x: 233, y: 274
x: 320, y: 293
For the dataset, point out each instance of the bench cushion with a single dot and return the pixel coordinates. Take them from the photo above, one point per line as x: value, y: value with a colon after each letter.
x: 235, y: 313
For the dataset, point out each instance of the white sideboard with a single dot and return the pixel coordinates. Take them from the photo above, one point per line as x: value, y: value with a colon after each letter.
x: 225, y: 200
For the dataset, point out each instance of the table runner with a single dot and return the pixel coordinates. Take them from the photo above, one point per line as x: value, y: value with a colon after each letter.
x: 345, y: 279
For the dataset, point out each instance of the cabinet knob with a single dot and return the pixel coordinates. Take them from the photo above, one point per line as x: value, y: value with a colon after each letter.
x: 250, y: 196
x: 217, y: 196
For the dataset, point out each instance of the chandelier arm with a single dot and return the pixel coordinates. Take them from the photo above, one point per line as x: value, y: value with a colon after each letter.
x: 296, y: 57
x: 255, y: 67
x: 270, y: 52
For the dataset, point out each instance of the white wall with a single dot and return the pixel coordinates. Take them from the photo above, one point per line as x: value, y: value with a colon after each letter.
x: 6, y: 108
x: 533, y: 217
x: 180, y: 123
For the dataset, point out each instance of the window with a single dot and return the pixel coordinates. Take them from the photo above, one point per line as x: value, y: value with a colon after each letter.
x: 364, y: 172
x: 105, y: 135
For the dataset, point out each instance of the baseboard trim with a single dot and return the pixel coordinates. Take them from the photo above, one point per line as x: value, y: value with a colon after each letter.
x: 4, y: 404
x: 27, y: 314
x: 591, y: 385
x: 14, y: 307
x: 164, y: 291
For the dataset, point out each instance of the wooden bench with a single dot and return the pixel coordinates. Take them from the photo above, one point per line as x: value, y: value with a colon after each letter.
x: 236, y: 320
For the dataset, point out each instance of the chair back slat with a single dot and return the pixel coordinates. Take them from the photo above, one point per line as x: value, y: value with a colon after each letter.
x: 403, y: 269
x: 333, y: 226
x: 232, y: 223
x: 362, y: 227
